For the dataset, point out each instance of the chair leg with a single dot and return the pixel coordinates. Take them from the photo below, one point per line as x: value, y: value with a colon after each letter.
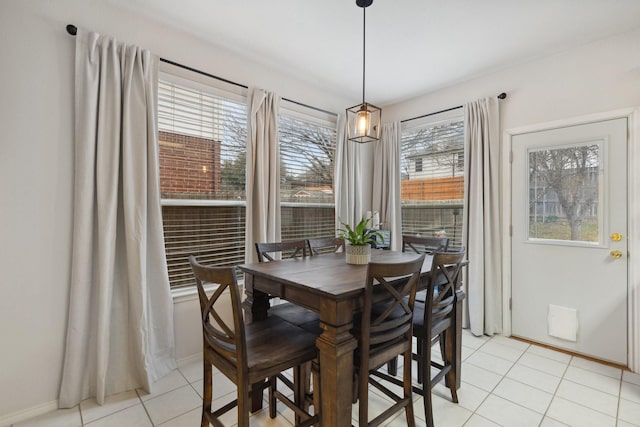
x: 392, y: 366
x: 407, y: 381
x: 315, y: 369
x: 299, y: 386
x: 244, y: 406
x: 426, y: 381
x: 448, y: 356
x: 206, y: 393
x: 420, y: 350
x: 363, y: 398
x: 273, y: 384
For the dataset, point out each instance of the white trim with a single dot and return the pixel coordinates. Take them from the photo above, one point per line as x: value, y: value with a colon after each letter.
x: 202, y: 202
x: 25, y: 414
x: 189, y: 359
x: 633, y: 296
x: 196, y: 81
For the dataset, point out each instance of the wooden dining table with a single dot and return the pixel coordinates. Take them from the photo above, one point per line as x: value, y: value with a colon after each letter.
x: 329, y: 286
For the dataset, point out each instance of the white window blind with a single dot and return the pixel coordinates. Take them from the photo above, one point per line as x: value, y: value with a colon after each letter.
x: 307, y: 152
x: 202, y: 138
x: 432, y: 185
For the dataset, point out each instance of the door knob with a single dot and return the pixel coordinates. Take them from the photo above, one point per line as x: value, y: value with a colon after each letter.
x: 616, y: 254
x: 616, y: 237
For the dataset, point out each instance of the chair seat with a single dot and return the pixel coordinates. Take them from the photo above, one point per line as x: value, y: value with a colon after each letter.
x: 418, y: 322
x: 273, y: 343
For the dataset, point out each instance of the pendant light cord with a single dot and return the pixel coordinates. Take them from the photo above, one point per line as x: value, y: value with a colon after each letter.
x: 364, y: 46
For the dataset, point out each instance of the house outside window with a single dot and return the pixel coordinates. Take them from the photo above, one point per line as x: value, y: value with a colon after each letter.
x: 202, y: 134
x: 307, y: 152
x: 432, y: 181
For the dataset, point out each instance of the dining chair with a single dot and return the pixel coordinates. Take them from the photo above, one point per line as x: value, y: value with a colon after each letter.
x: 424, y: 244
x: 434, y: 322
x: 385, y: 332
x: 292, y: 313
x: 247, y: 353
x: 419, y: 245
x: 324, y: 245
x: 281, y: 250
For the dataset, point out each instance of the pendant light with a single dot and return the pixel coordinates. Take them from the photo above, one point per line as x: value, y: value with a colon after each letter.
x: 363, y: 120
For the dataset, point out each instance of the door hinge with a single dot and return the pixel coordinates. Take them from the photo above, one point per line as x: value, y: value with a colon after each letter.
x: 509, y: 303
x: 510, y: 230
x: 510, y: 156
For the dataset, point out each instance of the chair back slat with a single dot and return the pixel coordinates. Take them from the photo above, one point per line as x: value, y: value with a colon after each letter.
x: 268, y: 252
x: 391, y: 319
x: 225, y: 338
x: 446, y: 274
x: 428, y: 245
x: 325, y: 245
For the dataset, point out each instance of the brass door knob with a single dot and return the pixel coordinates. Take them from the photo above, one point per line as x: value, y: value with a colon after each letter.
x: 616, y: 254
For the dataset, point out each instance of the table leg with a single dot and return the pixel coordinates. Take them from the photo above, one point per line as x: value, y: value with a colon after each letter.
x: 336, y: 345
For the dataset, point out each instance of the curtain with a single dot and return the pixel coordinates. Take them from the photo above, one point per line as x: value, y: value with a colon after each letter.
x: 386, y: 182
x: 482, y: 210
x: 347, y: 178
x: 263, y: 171
x: 120, y: 325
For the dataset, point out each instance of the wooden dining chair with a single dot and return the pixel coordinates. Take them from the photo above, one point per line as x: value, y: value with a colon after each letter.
x: 385, y: 332
x: 248, y: 353
x: 292, y: 313
x: 281, y: 250
x: 420, y: 244
x: 434, y: 322
x: 324, y: 245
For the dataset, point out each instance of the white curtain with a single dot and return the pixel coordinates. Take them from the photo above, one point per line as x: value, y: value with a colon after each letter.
x: 120, y: 325
x: 482, y: 209
x: 263, y: 171
x: 347, y: 178
x: 386, y: 182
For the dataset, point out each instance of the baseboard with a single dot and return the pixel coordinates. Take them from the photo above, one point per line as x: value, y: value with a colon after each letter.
x: 25, y: 414
x: 189, y: 359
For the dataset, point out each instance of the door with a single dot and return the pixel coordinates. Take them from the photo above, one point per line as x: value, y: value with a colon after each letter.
x: 569, y: 238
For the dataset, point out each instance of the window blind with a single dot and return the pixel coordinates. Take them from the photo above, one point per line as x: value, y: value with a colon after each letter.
x: 432, y: 183
x: 202, y: 138
x: 307, y: 152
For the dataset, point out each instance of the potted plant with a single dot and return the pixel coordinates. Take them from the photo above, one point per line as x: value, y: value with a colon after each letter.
x: 358, y: 241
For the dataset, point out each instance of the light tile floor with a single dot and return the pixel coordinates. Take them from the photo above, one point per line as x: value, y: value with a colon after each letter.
x: 504, y: 383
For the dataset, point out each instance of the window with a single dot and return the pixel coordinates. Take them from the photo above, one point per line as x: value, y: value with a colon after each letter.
x: 202, y: 137
x: 307, y: 152
x: 202, y: 133
x: 432, y: 182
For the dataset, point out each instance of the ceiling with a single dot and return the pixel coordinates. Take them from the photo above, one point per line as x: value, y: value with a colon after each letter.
x: 413, y: 46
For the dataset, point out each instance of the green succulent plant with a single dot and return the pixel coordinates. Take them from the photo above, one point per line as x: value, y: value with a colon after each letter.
x: 360, y: 235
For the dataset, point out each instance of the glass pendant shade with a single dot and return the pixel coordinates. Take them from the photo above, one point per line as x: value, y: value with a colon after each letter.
x: 363, y: 123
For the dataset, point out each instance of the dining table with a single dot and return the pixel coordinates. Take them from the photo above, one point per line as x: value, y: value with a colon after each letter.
x: 326, y: 284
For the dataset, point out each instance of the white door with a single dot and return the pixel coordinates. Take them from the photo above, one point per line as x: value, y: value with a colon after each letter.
x: 569, y: 238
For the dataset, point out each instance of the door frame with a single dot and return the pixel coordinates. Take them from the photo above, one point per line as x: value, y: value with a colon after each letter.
x: 633, y: 217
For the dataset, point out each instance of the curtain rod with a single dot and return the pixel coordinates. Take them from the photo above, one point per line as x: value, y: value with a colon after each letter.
x: 501, y: 96
x: 73, y: 30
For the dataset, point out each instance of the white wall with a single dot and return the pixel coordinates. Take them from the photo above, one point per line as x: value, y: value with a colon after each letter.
x: 36, y: 154
x: 601, y: 76
x: 36, y: 177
